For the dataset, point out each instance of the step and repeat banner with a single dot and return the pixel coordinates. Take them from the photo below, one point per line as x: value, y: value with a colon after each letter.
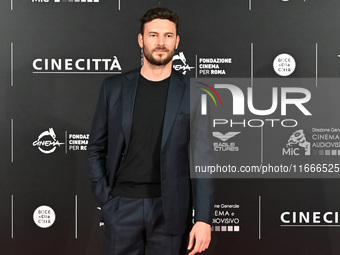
x: 266, y: 74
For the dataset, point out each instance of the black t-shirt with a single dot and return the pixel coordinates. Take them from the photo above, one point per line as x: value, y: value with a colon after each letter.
x: 139, y: 174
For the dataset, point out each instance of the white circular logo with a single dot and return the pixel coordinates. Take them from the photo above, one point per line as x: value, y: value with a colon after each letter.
x: 44, y: 216
x: 284, y: 64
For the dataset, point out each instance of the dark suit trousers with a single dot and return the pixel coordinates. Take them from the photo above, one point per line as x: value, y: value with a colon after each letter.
x: 136, y: 226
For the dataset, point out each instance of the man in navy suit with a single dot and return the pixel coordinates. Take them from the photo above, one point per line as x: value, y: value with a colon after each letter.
x: 139, y: 153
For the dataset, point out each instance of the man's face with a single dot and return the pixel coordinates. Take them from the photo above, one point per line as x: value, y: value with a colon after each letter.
x: 159, y: 41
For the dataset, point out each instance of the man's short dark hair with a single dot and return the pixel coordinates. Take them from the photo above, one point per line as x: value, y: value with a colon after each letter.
x: 159, y: 13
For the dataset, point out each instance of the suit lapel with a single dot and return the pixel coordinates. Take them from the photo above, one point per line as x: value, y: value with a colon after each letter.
x: 129, y: 90
x: 175, y: 94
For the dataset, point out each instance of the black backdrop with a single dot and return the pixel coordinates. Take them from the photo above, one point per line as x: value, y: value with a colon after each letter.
x: 250, y: 33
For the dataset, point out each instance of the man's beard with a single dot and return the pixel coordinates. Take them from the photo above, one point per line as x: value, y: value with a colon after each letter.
x: 158, y: 61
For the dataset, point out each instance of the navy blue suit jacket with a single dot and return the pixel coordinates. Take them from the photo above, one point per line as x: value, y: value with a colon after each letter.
x: 109, y: 145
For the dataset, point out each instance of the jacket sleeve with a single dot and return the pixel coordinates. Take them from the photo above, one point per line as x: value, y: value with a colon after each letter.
x: 203, y: 187
x: 201, y: 154
x: 97, y: 149
x: 203, y: 199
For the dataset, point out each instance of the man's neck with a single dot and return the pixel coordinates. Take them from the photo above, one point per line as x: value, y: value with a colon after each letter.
x: 154, y: 72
